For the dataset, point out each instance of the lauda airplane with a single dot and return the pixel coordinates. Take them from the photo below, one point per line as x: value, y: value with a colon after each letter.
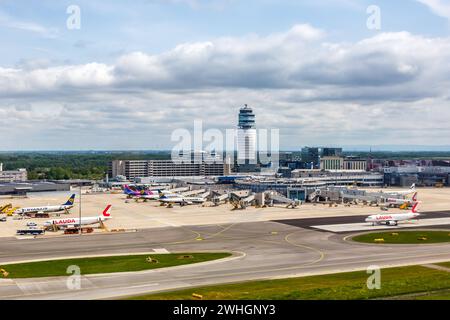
x: 75, y: 222
x: 393, y: 219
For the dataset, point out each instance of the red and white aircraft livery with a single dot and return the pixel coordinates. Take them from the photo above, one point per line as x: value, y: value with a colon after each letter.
x: 393, y: 219
x: 75, y: 222
x: 399, y: 202
x: 411, y: 189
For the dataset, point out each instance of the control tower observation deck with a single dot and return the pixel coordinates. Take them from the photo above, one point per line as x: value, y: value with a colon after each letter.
x: 246, y: 118
x: 246, y: 136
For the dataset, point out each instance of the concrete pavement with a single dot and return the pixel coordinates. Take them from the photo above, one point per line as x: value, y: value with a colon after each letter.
x: 267, y: 250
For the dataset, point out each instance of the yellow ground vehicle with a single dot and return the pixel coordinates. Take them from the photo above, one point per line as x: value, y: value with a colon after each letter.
x: 9, y: 212
x: 5, y: 207
x: 4, y: 273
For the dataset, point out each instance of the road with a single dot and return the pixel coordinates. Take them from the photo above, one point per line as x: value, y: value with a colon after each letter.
x: 262, y: 250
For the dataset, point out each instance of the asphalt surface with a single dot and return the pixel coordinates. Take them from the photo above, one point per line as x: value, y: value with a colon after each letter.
x: 309, y: 222
x: 262, y: 250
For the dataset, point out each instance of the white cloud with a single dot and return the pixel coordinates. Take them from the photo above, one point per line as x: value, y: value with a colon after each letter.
x: 438, y: 7
x: 29, y: 26
x: 387, y: 89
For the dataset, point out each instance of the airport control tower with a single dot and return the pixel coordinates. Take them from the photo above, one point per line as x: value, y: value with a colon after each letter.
x: 246, y: 137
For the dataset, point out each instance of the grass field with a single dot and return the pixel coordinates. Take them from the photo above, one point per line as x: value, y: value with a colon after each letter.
x: 405, y: 237
x: 441, y: 295
x: 350, y: 285
x: 106, y: 264
x: 444, y: 264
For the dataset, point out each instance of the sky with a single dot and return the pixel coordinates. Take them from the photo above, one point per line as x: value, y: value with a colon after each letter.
x: 127, y: 74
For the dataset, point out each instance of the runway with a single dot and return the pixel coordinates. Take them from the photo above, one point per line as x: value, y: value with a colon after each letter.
x: 262, y: 250
x: 343, y: 224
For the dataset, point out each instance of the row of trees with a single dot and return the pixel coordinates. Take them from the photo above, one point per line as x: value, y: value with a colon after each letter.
x: 70, y: 165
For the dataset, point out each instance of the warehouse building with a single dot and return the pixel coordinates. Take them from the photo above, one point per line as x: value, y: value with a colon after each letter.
x: 24, y: 188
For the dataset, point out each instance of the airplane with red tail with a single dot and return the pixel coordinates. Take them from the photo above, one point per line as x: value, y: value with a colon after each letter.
x: 76, y: 222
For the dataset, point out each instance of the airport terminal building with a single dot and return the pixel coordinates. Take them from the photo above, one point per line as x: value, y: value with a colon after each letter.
x: 307, y: 180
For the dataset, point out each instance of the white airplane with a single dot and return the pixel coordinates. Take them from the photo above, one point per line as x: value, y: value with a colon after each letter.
x: 411, y: 189
x: 75, y: 222
x: 393, y: 219
x: 46, y: 209
x: 181, y: 200
x: 400, y: 202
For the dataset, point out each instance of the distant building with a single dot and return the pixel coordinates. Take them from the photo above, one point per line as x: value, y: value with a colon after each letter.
x: 353, y: 163
x: 311, y: 157
x: 331, y: 152
x: 425, y: 176
x: 331, y: 163
x: 341, y: 163
x: 132, y: 169
x: 22, y: 188
x: 19, y: 175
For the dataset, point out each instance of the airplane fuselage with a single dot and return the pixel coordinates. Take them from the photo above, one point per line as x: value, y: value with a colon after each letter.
x: 391, y: 219
x: 43, y: 209
x: 74, y: 221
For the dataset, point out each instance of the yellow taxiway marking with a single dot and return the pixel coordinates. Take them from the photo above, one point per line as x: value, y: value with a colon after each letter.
x: 321, y: 253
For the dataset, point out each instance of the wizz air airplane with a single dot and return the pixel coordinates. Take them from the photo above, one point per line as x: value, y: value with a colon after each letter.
x: 47, y: 209
x: 75, y: 222
x: 400, y: 202
x: 393, y: 219
x: 145, y: 195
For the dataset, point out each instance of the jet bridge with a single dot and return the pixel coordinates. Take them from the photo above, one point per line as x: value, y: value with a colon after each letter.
x: 193, y: 192
x: 360, y: 198
x: 275, y: 196
x: 218, y: 199
x: 241, y: 202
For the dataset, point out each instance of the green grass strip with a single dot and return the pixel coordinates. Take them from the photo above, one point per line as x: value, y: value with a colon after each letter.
x: 346, y: 286
x: 106, y: 264
x: 405, y: 237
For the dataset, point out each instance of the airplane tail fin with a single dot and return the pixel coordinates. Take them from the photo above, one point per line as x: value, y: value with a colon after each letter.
x: 70, y: 201
x: 127, y: 190
x: 414, y: 208
x: 107, y: 211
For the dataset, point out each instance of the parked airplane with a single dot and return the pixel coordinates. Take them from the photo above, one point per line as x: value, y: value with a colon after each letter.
x: 401, y: 202
x: 412, y: 189
x: 181, y: 200
x: 76, y: 222
x: 393, y: 219
x: 47, y: 209
x: 144, y: 195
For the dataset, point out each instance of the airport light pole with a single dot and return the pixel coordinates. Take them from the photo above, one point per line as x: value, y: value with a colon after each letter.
x: 79, y: 213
